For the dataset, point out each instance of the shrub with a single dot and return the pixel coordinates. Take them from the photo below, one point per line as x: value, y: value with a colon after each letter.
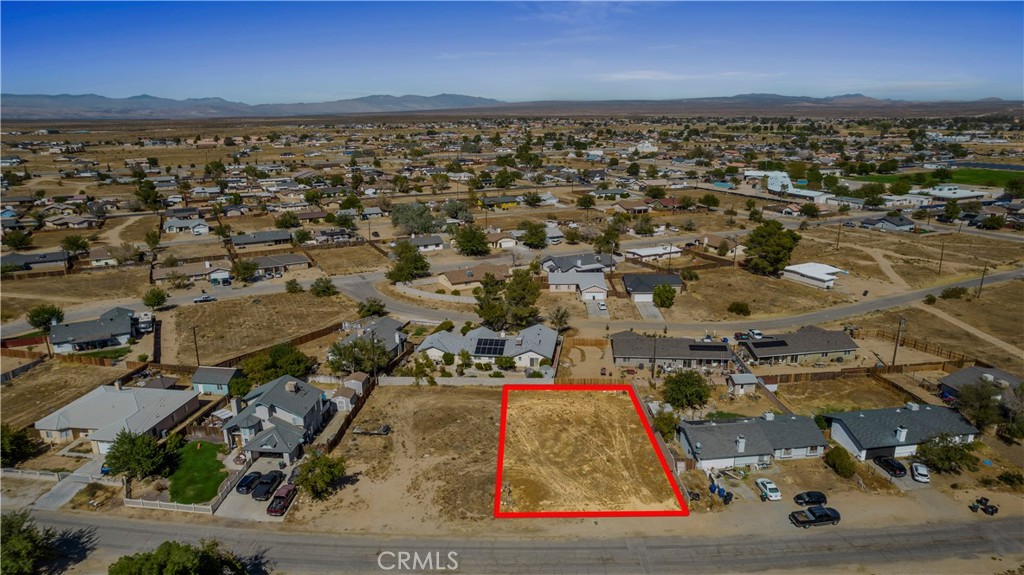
x: 534, y: 374
x: 739, y: 308
x: 930, y: 299
x: 293, y: 286
x: 456, y: 292
x: 953, y: 293
x: 545, y: 361
x: 448, y: 358
x: 1011, y: 478
x: 440, y: 291
x: 143, y: 357
x: 840, y: 461
x: 445, y: 373
x: 497, y: 373
x: 444, y: 326
x: 689, y: 275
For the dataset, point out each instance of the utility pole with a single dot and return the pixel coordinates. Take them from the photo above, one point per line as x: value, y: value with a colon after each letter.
x: 899, y: 336
x: 984, y: 272
x: 195, y: 341
x: 655, y: 360
x: 942, y: 253
x: 838, y: 234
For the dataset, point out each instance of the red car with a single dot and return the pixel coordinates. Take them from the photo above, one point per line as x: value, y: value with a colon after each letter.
x: 282, y: 500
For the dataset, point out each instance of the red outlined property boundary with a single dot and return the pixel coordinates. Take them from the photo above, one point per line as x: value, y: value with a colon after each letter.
x: 498, y: 513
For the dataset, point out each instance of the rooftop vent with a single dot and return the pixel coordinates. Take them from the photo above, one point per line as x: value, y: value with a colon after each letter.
x: 291, y: 386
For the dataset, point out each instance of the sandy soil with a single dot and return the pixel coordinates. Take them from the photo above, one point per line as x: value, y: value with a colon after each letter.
x: 50, y: 385
x: 134, y: 231
x: 838, y: 395
x: 19, y: 493
x: 580, y: 451
x: 349, y: 260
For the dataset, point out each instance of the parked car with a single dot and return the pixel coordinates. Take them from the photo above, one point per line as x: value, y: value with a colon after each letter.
x: 204, y: 298
x: 225, y: 282
x: 768, y: 489
x: 267, y: 485
x: 849, y: 224
x: 891, y: 466
x: 248, y: 483
x: 740, y: 336
x: 282, y: 499
x: 755, y: 333
x: 813, y: 516
x: 811, y: 498
x: 919, y: 473
x: 602, y: 306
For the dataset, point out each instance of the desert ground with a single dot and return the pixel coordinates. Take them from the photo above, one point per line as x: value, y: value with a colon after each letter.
x: 48, y: 386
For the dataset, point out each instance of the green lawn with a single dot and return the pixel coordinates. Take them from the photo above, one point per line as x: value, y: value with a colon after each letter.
x: 200, y: 472
x: 966, y: 176
x: 115, y: 353
x: 720, y: 415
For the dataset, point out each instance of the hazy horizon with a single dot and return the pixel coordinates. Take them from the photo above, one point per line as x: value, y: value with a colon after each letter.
x: 283, y: 53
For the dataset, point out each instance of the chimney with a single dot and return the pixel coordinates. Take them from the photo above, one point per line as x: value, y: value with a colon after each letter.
x: 769, y: 416
x: 911, y: 406
x: 236, y: 405
x: 117, y: 384
x: 291, y: 386
x: 988, y: 377
x: 398, y: 338
x: 741, y: 443
x: 502, y: 334
x: 579, y: 263
x: 901, y: 434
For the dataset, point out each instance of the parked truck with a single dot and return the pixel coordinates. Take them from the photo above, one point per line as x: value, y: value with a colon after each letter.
x: 812, y: 516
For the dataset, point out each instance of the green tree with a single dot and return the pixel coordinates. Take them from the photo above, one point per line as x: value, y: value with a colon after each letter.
x: 979, y: 404
x: 43, y: 316
x: 665, y: 423
x: 840, y: 461
x: 810, y: 210
x: 371, y: 306
x: 535, y: 237
x: 709, y: 201
x: 633, y: 170
x: 136, y: 455
x: 942, y: 175
x: 323, y: 287
x: 505, y: 363
x: 946, y: 454
x: 504, y: 179
x: 952, y: 210
x: 769, y: 248
x: 1015, y: 187
x: 687, y: 389
x: 286, y: 220
x: 992, y: 222
x: 25, y: 546
x: 75, y: 245
x: 739, y: 308
x: 320, y: 474
x: 458, y: 211
x: 17, y: 240
x: 409, y: 263
x: 655, y: 192
x: 559, y: 318
x: 155, y: 298
x: 302, y: 236
x: 147, y: 194
x: 366, y: 354
x: 414, y: 218
x: 153, y: 240
x: 607, y: 242
x: 651, y: 171
x: 293, y: 286
x: 15, y: 445
x: 531, y: 199
x: 573, y: 236
x: 644, y: 226
x: 585, y: 202
x: 282, y: 359
x: 244, y: 269
x: 664, y: 295
x: 177, y: 558
x: 470, y: 240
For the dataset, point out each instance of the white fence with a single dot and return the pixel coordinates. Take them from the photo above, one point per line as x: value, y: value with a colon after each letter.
x: 466, y: 381
x: 208, y: 509
x: 33, y: 474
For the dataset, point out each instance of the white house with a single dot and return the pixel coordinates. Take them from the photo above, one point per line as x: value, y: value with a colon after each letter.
x: 821, y: 276
x: 528, y: 348
x: 742, y: 442
x: 427, y: 243
x: 896, y: 431
x: 741, y: 383
x: 588, y: 286
x: 195, y: 227
x: 654, y: 253
x: 952, y: 192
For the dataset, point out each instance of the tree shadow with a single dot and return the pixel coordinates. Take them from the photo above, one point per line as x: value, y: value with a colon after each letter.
x: 349, y: 479
x: 71, y: 547
x: 257, y: 563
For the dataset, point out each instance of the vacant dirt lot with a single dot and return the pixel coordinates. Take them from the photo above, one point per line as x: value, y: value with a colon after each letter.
x: 356, y: 259
x: 135, y: 232
x: 703, y: 299
x: 230, y: 327
x: 52, y: 238
x: 19, y: 296
x: 211, y: 246
x: 838, y: 395
x: 250, y: 224
x: 48, y: 386
x: 580, y: 451
x: 990, y: 313
x: 436, y: 467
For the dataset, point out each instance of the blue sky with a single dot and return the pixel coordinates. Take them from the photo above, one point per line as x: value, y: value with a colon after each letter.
x: 276, y: 52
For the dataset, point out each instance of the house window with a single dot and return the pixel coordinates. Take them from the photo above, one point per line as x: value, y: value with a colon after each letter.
x: 788, y: 452
x: 812, y: 450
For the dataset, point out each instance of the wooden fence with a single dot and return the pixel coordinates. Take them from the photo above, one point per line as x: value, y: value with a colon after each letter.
x: 296, y: 341
x: 21, y: 353
x: 31, y: 275
x: 11, y: 374
x: 810, y: 376
x: 571, y: 342
x: 83, y: 359
x: 927, y: 347
x: 22, y: 342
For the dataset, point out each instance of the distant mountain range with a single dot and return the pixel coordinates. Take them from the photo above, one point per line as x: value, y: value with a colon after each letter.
x: 146, y: 107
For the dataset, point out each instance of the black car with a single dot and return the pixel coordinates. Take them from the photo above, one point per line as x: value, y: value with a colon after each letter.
x: 246, y: 485
x: 813, y: 516
x: 267, y: 485
x: 891, y: 466
x: 811, y: 498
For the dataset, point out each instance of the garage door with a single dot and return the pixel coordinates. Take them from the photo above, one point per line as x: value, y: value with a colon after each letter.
x: 643, y: 297
x: 880, y: 451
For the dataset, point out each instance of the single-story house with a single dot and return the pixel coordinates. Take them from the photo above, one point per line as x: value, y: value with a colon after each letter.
x: 280, y: 263
x: 385, y: 329
x: 896, y: 431
x: 195, y: 227
x: 372, y: 212
x: 668, y: 353
x: 588, y: 286
x: 807, y: 344
x: 264, y: 238
x: 840, y: 201
x: 631, y: 207
x: 653, y: 253
x: 278, y: 418
x: 502, y: 240
x: 889, y: 224
x: 213, y: 380
x: 724, y: 444
x: 71, y: 222
x: 592, y: 263
x: 741, y: 383
x: 610, y: 194
x: 427, y: 243
x: 107, y: 410
x: 554, y: 235
x: 817, y: 275
x: 640, y: 287
x: 499, y: 202
x: 468, y: 279
x: 1008, y: 384
x: 182, y: 213
x: 211, y: 270
x: 112, y: 329
x: 100, y: 257
x: 48, y: 261
x: 528, y: 348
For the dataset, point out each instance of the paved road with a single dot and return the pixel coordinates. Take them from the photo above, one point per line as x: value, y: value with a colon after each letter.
x: 825, y: 547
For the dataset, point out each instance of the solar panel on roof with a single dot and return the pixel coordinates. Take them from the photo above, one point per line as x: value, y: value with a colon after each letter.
x: 705, y: 347
x: 769, y: 343
x: 489, y: 347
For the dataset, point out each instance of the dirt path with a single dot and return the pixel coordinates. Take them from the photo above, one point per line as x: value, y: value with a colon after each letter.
x: 970, y: 329
x: 879, y: 256
x: 112, y: 235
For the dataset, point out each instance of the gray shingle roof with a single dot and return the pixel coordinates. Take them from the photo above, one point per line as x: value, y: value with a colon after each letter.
x: 275, y: 393
x: 718, y: 439
x: 875, y: 428
x: 645, y: 283
x: 262, y: 237
x: 420, y: 241
x: 578, y: 263
x: 29, y: 259
x: 969, y: 375
x: 115, y: 322
x: 537, y: 338
x: 627, y: 344
x: 806, y: 340
x: 384, y: 329
x: 214, y: 375
x: 109, y: 410
x: 280, y: 260
x: 281, y: 438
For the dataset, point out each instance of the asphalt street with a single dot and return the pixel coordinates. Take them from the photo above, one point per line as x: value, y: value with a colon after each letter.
x: 788, y: 547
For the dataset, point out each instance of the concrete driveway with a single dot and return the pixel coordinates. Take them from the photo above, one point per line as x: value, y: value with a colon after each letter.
x: 66, y: 488
x: 594, y: 312
x: 243, y: 506
x: 649, y: 311
x: 905, y: 483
